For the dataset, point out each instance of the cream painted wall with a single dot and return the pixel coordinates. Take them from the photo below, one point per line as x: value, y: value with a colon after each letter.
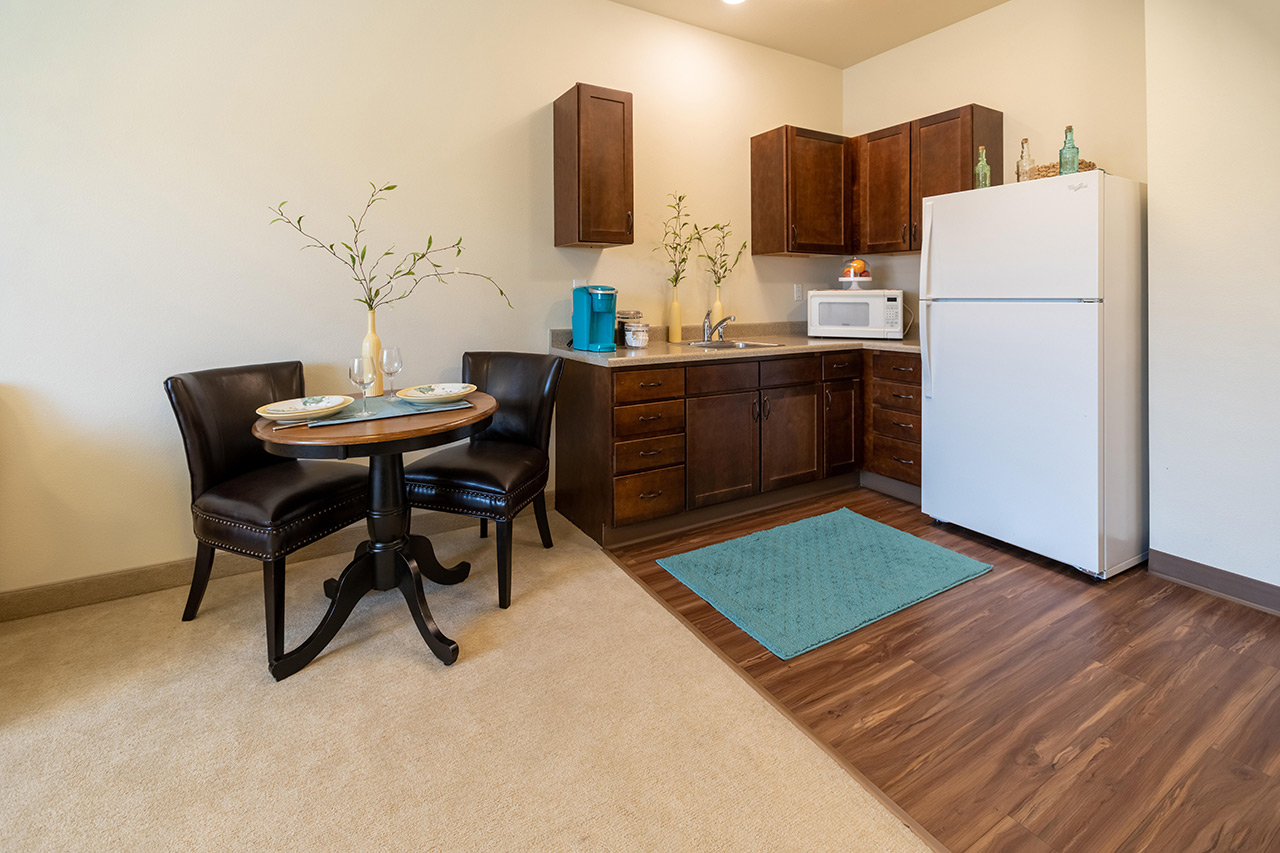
x: 1017, y: 58
x: 141, y: 143
x: 1215, y: 303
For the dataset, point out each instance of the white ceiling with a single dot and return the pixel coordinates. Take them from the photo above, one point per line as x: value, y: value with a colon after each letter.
x: 836, y: 32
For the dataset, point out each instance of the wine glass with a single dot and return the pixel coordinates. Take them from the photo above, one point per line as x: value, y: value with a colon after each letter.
x: 391, y: 365
x: 363, y: 373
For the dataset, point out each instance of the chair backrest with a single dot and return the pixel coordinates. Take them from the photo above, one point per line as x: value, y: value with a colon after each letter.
x: 216, y: 410
x: 524, y: 384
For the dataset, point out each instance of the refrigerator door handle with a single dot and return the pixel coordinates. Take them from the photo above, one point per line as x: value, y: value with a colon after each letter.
x: 926, y: 372
x: 926, y: 291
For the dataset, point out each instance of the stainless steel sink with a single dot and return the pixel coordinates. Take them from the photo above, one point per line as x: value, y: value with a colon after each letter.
x: 728, y: 344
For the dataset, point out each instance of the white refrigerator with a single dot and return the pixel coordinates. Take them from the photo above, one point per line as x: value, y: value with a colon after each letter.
x: 1033, y: 344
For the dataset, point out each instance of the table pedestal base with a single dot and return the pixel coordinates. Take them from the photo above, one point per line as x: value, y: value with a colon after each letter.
x: 391, y: 559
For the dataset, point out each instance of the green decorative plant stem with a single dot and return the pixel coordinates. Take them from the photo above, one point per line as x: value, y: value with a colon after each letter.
x: 677, y: 240
x: 712, y: 240
x: 385, y: 288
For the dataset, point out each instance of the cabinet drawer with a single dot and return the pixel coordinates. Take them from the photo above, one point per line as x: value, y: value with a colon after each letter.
x: 895, y: 395
x: 841, y: 365
x: 653, y: 494
x: 637, y: 386
x: 645, y: 453
x: 648, y: 418
x: 889, y: 457
x: 722, y: 378
x: 896, y: 366
x: 904, y: 426
x: 790, y: 371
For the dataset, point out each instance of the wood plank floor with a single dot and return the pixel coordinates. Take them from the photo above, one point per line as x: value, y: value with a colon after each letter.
x: 1033, y: 708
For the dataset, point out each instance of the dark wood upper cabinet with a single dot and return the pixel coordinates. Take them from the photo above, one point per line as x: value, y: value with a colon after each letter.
x: 884, y: 190
x: 801, y: 193
x: 944, y: 150
x: 901, y: 165
x: 594, y: 184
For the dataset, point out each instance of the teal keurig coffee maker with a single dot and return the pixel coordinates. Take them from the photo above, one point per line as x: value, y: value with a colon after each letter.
x: 594, y: 317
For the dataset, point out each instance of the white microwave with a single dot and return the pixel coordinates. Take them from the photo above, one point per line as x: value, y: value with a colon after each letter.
x: 856, y: 314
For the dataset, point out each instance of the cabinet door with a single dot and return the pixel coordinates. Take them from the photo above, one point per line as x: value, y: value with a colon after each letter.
x: 790, y: 436
x: 816, y: 188
x: 593, y: 169
x: 842, y: 426
x: 884, y: 190
x: 944, y: 151
x: 722, y: 448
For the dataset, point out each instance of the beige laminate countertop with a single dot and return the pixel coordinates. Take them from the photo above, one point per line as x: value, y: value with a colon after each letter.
x: 660, y: 351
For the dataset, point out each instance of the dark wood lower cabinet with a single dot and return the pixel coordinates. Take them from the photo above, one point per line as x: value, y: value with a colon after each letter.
x: 722, y: 435
x: 790, y: 436
x: 643, y: 443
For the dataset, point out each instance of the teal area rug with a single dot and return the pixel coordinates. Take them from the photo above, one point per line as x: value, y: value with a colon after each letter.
x: 801, y: 585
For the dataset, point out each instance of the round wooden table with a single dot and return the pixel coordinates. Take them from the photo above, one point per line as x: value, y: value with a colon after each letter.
x: 391, y: 558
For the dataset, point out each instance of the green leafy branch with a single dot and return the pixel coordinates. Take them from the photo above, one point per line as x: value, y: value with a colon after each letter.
x: 712, y: 239
x: 387, y: 287
x: 677, y: 239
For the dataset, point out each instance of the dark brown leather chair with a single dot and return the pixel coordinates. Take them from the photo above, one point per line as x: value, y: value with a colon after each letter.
x: 245, y: 500
x: 503, y: 468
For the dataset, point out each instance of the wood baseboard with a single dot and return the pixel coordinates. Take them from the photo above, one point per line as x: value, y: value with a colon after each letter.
x: 49, y: 598
x: 1255, y: 593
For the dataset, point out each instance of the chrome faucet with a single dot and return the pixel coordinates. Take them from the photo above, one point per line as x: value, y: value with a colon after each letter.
x: 718, y: 329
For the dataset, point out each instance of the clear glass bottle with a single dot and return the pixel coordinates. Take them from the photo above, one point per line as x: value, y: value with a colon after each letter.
x: 1025, y: 163
x: 982, y: 172
x: 1069, y: 156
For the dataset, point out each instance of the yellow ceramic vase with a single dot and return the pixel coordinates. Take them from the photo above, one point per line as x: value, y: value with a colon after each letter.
x: 371, y: 348
x: 673, y: 319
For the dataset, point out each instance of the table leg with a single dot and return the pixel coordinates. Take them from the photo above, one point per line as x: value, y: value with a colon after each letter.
x: 410, y: 582
x: 422, y: 551
x: 356, y: 579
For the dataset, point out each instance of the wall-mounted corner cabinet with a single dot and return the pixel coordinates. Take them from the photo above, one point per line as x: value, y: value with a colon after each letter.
x: 801, y: 193
x: 594, y: 186
x: 901, y: 165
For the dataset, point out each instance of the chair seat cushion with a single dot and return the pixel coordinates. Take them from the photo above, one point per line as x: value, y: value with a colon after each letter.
x: 489, y: 479
x: 268, y: 512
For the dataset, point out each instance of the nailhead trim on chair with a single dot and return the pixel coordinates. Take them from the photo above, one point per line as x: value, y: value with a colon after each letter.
x: 268, y: 531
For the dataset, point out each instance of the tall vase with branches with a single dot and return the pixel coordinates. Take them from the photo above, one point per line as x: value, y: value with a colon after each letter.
x: 713, y: 240
x: 388, y: 286
x: 677, y: 243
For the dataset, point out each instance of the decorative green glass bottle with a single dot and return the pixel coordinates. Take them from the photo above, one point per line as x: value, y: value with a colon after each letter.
x: 1069, y: 156
x: 982, y: 172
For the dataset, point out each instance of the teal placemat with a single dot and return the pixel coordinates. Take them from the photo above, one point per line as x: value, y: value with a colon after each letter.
x: 384, y: 407
x: 801, y: 585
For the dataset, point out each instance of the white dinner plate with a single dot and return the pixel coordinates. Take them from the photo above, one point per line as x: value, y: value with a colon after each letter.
x: 440, y: 392
x: 304, y: 408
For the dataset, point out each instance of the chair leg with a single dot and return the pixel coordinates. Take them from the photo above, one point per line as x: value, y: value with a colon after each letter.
x: 199, y: 580
x: 484, y: 528
x: 273, y: 594
x: 504, y: 563
x: 540, y: 512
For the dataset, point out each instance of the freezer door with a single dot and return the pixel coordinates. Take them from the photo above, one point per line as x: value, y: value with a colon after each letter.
x: 1033, y: 240
x: 1011, y: 423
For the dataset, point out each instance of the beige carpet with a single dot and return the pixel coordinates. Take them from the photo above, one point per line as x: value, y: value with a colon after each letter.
x: 586, y: 717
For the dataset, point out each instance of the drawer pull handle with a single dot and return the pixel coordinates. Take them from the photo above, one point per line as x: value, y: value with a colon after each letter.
x: 905, y: 396
x: 828, y: 401
x: 903, y: 461
x: 766, y: 408
x: 904, y: 232
x: 904, y: 426
x: 905, y: 369
x: 656, y: 417
x: 648, y: 496
x: 840, y: 366
x: 755, y: 410
x: 650, y: 452
x: 657, y: 384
